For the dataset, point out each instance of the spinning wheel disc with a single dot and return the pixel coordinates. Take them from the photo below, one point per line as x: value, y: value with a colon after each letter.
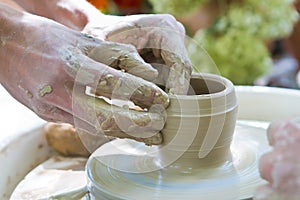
x: 124, y: 169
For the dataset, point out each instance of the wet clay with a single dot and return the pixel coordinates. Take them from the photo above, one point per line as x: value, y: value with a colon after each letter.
x: 200, y: 125
x: 200, y: 158
x: 47, y: 89
x: 66, y: 140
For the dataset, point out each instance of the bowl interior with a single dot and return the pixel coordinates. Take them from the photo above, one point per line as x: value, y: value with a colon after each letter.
x: 200, y: 86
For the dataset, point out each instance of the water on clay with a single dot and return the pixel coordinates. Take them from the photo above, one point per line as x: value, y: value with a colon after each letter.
x: 124, y: 169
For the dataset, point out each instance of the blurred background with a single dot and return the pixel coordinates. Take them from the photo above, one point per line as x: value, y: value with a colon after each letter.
x: 252, y: 42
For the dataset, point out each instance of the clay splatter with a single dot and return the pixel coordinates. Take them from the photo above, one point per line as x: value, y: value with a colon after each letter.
x: 47, y: 89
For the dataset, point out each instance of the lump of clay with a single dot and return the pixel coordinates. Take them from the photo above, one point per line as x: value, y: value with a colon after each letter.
x: 66, y: 140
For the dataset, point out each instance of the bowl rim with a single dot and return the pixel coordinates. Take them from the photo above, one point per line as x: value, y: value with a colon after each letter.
x: 229, y: 87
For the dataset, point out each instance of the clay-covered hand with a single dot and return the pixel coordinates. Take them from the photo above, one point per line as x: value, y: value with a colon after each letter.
x: 281, y: 166
x: 47, y: 67
x: 159, y: 39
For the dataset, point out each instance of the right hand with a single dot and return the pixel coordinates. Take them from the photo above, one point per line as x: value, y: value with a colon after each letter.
x: 41, y: 61
x: 160, y: 40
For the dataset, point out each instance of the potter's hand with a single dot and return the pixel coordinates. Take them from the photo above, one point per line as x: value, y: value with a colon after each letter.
x: 41, y: 60
x: 281, y: 166
x: 158, y: 38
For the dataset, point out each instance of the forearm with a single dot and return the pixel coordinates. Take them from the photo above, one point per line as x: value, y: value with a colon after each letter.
x: 9, y: 19
x: 74, y: 14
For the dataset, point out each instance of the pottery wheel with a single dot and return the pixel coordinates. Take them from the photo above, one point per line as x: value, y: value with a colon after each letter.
x: 125, y: 169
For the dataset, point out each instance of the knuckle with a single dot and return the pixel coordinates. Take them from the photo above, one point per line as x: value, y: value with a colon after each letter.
x: 180, y: 27
x: 166, y: 20
x: 169, y: 17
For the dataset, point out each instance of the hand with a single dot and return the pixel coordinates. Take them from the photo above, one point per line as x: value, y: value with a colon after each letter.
x: 158, y: 38
x: 281, y: 166
x: 42, y: 60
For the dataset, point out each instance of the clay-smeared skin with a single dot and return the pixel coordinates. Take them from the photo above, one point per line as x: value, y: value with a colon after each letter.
x: 46, y: 59
x: 281, y: 166
x: 162, y: 34
x: 128, y: 60
x: 120, y: 122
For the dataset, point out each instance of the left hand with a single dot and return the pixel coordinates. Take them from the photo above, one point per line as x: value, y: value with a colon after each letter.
x: 41, y: 69
x: 158, y: 38
x: 281, y: 167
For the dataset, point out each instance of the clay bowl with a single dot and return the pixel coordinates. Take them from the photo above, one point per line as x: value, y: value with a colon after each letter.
x: 200, y: 125
x: 193, y: 159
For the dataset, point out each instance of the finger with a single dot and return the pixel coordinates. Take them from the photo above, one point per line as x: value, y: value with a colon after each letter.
x: 266, y: 165
x: 116, y: 121
x: 127, y: 32
x: 284, y: 133
x: 90, y: 138
x: 86, y: 132
x: 169, y: 45
x: 153, y: 139
x: 128, y: 87
x: 112, y: 83
x: 281, y: 167
x: 123, y: 56
x: 180, y: 71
